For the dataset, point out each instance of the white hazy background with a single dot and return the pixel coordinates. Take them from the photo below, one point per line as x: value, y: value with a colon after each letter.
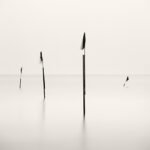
x: 118, y: 36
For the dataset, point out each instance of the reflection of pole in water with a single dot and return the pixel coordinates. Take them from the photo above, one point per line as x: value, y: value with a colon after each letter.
x: 42, y: 124
x: 84, y: 135
x: 83, y: 125
x: 43, y: 111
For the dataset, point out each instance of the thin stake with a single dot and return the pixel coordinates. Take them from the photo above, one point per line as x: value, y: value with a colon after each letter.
x: 41, y: 59
x: 127, y: 79
x: 20, y: 77
x: 84, y: 91
x: 84, y: 74
x: 43, y: 81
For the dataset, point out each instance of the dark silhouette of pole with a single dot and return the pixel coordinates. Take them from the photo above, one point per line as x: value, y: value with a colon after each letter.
x: 41, y: 59
x: 84, y: 73
x: 43, y: 81
x: 127, y: 79
x: 20, y: 77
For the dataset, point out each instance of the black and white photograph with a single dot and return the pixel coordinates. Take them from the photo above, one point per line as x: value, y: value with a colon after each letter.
x: 74, y: 75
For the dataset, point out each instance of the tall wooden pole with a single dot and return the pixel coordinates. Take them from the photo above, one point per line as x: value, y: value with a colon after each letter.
x: 84, y: 73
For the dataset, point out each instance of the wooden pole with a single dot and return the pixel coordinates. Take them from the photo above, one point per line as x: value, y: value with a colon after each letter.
x: 20, y: 77
x: 84, y: 85
x: 43, y: 82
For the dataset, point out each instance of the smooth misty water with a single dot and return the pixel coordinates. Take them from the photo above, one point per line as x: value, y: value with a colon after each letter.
x: 117, y: 118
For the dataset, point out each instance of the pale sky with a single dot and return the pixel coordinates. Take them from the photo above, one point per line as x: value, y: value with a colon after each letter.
x: 118, y: 36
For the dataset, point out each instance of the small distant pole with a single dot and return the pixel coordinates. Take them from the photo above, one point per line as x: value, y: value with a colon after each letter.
x: 20, y: 78
x: 84, y: 73
x: 41, y: 60
x: 127, y: 79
